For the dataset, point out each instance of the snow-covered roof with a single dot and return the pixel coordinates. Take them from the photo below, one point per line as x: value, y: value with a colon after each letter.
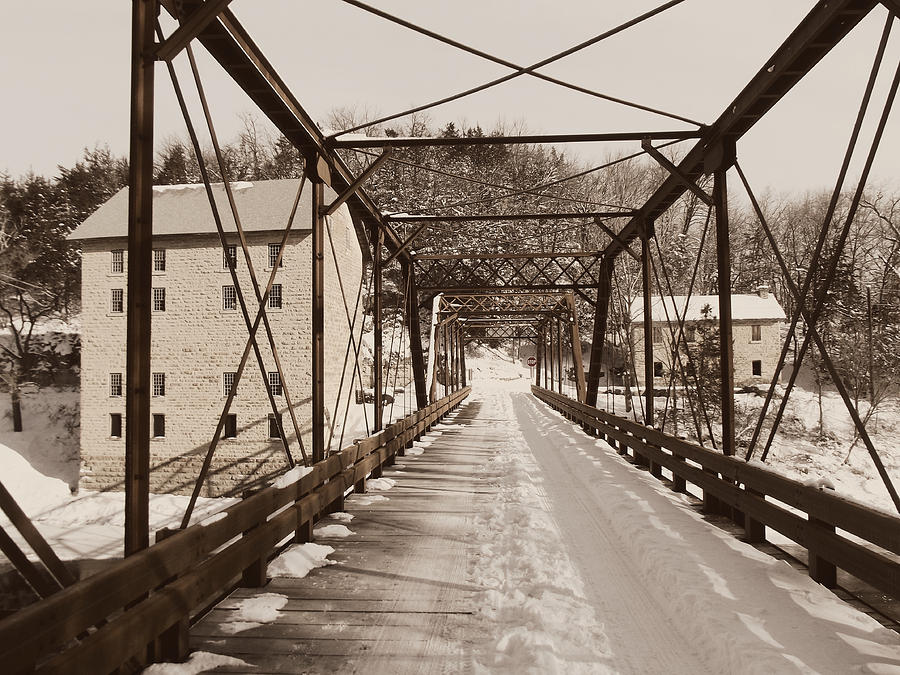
x: 744, y: 307
x: 184, y: 209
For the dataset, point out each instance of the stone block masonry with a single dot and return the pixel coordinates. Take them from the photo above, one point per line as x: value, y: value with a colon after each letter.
x: 195, y: 340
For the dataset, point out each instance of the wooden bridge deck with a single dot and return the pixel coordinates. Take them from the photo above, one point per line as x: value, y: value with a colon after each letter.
x: 397, y: 600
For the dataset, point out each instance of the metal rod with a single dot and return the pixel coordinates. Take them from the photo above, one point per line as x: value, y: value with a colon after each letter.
x: 140, y: 255
x: 415, y: 338
x: 601, y: 314
x: 199, y: 19
x: 318, y: 319
x: 492, y: 217
x: 723, y: 280
x: 663, y: 161
x: 615, y: 237
x: 357, y: 182
x: 378, y: 384
x: 648, y: 329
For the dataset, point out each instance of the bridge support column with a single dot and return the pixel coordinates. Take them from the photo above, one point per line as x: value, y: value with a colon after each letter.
x: 318, y: 319
x: 601, y: 312
x: 378, y: 240
x: 415, y: 337
x: 462, y: 359
x: 140, y: 252
x: 538, y: 354
x: 648, y: 324
x: 577, y: 362
x: 723, y: 159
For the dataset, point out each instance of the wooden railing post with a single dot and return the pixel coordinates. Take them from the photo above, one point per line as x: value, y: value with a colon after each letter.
x: 173, y: 645
x: 820, y: 570
x: 254, y: 575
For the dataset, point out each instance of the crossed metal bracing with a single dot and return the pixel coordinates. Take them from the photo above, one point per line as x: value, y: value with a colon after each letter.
x: 585, y: 274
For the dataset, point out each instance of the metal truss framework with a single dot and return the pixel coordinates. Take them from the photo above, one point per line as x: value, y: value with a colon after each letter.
x: 480, y: 282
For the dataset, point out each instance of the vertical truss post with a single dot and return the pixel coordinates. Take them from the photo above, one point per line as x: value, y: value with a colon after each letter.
x: 575, y: 335
x: 538, y: 355
x: 559, y: 354
x: 415, y: 337
x: 648, y: 325
x: 551, y: 354
x: 378, y: 365
x: 722, y: 160
x: 453, y: 363
x: 318, y: 319
x: 601, y: 314
x: 462, y: 357
x: 444, y: 328
x: 140, y: 252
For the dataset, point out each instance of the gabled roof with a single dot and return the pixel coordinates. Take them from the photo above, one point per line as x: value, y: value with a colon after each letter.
x: 262, y: 206
x: 744, y: 307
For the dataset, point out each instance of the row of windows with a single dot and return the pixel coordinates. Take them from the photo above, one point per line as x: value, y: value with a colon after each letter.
x: 159, y: 426
x: 229, y: 254
x: 690, y: 333
x: 159, y: 383
x: 229, y: 299
x: 755, y: 368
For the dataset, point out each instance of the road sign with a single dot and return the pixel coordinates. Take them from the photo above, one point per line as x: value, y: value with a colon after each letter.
x: 532, y: 362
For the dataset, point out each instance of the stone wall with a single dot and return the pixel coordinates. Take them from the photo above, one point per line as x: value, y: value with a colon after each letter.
x: 195, y: 341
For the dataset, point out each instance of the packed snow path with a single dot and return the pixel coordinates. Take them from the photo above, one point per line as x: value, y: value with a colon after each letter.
x: 514, y: 542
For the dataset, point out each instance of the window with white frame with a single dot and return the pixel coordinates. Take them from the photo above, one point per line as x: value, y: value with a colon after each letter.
x: 228, y: 383
x: 274, y: 250
x: 756, y: 332
x: 275, y: 383
x: 117, y: 301
x: 117, y: 261
x: 229, y: 298
x: 230, y: 253
x: 159, y: 299
x: 159, y: 260
x: 275, y: 297
x: 159, y: 384
x: 115, y: 384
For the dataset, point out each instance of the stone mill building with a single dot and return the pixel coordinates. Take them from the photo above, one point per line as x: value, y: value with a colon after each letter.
x: 198, y: 333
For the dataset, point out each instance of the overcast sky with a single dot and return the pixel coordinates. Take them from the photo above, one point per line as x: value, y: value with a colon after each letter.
x: 65, y: 74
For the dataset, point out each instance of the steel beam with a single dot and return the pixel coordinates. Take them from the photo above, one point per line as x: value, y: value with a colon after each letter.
x: 318, y: 318
x: 423, y: 141
x: 723, y: 266
x: 357, y: 182
x: 378, y: 365
x: 648, y: 329
x: 140, y: 260
x: 189, y: 28
x: 577, y: 363
x: 601, y: 313
x: 415, y: 337
x: 493, y: 217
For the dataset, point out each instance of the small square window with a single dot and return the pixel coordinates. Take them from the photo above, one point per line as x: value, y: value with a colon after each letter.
x: 274, y: 250
x: 159, y: 384
x: 231, y: 426
x: 159, y: 299
x: 275, y: 297
x: 275, y: 426
x: 117, y: 301
x: 657, y: 335
x: 756, y: 333
x: 230, y: 253
x: 275, y: 383
x: 657, y: 369
x: 115, y: 425
x: 159, y: 260
x: 229, y: 298
x: 757, y: 368
x: 117, y: 261
x: 159, y: 425
x: 228, y: 383
x: 115, y: 384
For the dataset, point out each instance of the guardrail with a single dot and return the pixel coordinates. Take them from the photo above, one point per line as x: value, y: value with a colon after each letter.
x: 138, y: 609
x: 757, y: 497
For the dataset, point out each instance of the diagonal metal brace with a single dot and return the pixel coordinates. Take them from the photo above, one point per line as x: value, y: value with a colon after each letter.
x: 190, y: 28
x: 357, y: 183
x: 647, y: 145
x: 599, y: 223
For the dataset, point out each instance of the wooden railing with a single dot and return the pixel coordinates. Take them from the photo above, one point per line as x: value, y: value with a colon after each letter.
x: 757, y: 497
x: 138, y: 609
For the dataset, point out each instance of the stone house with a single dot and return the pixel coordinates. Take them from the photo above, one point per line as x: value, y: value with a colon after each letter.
x: 756, y: 331
x: 198, y: 333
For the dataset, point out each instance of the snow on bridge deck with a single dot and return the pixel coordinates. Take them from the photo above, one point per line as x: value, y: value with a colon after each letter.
x: 515, y: 542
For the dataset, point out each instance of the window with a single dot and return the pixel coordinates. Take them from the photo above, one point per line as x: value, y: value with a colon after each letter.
x: 230, y: 253
x: 275, y: 383
x: 657, y: 369
x: 690, y: 333
x: 159, y: 260
x: 275, y: 297
x: 159, y: 425
x: 756, y: 333
x: 117, y: 301
x: 117, y: 262
x: 275, y: 425
x: 115, y: 425
x: 115, y: 384
x: 229, y: 298
x: 657, y: 335
x: 159, y: 299
x: 231, y: 426
x: 274, y: 250
x: 159, y: 384
x: 757, y: 368
x: 228, y: 383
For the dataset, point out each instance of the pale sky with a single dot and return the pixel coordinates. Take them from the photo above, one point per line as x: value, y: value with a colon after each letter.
x: 65, y: 74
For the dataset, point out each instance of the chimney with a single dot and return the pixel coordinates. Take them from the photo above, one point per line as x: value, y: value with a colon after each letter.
x: 762, y: 290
